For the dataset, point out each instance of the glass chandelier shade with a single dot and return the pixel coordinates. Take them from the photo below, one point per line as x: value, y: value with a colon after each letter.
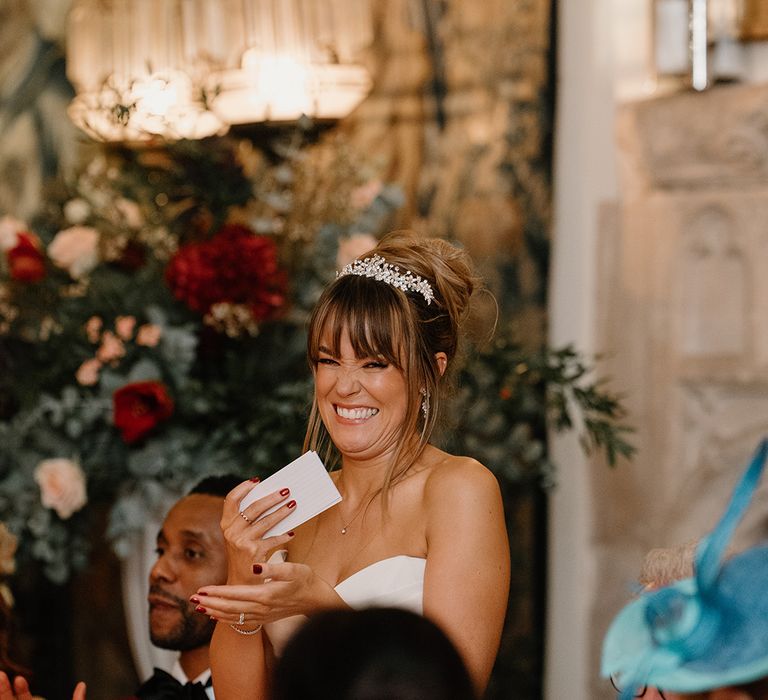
x: 138, y: 65
x: 296, y: 57
x: 144, y: 69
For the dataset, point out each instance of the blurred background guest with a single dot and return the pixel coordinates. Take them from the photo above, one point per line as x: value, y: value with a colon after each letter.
x: 372, y: 654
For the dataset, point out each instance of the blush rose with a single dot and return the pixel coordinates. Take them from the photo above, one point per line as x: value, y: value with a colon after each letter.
x: 62, y: 486
x: 75, y: 250
x: 10, y: 229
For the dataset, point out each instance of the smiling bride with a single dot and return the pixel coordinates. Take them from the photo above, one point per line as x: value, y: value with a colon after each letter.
x: 417, y: 528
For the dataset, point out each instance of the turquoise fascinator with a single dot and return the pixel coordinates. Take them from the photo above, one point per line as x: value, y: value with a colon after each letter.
x: 704, y: 632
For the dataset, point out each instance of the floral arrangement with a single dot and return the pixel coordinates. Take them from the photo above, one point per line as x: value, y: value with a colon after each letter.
x: 152, y: 327
x: 511, y: 396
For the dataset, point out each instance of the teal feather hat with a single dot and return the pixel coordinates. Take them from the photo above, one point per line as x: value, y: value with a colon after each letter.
x: 705, y: 632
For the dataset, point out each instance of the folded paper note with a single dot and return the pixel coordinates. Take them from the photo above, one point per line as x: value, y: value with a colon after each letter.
x: 311, y: 487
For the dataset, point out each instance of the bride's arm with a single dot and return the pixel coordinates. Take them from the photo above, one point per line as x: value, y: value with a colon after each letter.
x: 466, y: 584
x: 238, y: 660
x: 238, y: 665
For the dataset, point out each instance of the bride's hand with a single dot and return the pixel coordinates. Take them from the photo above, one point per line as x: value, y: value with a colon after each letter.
x: 244, y: 536
x: 280, y: 589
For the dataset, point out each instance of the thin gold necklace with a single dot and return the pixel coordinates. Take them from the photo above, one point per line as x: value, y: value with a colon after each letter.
x: 363, y: 504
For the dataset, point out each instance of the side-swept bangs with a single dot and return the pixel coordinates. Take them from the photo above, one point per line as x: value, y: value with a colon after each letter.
x: 373, y: 314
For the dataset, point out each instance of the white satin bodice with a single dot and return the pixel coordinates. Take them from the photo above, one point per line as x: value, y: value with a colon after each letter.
x: 396, y: 582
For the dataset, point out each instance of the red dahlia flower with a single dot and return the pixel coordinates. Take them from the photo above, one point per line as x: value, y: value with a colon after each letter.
x: 139, y: 407
x: 26, y: 261
x: 235, y: 266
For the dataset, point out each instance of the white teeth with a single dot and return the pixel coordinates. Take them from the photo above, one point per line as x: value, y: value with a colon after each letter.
x: 356, y: 413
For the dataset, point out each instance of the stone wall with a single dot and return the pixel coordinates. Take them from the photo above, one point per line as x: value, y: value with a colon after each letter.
x: 683, y: 302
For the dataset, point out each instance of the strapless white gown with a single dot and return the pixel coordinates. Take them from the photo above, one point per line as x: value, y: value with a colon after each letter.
x: 396, y: 582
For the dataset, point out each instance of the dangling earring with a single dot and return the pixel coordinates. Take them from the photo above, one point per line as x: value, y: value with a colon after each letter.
x: 424, y: 402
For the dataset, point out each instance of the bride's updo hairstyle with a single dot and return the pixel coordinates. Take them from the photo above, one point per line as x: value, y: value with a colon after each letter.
x: 400, y: 326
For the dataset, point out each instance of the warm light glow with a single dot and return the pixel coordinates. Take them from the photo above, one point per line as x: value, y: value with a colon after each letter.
x: 154, y: 106
x: 281, y: 82
x: 144, y: 69
x: 281, y: 88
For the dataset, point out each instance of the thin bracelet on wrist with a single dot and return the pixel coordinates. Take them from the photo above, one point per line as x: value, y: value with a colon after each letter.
x: 245, y: 632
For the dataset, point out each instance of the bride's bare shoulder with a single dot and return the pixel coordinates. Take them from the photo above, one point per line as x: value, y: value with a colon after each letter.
x: 451, y: 475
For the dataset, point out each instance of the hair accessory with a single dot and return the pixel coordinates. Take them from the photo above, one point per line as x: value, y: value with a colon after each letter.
x: 424, y: 402
x: 703, y: 632
x: 381, y: 270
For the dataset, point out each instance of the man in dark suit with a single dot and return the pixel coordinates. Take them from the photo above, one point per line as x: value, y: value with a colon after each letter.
x: 190, y: 554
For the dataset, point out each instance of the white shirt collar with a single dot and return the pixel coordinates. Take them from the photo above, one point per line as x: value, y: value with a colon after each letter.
x: 178, y: 673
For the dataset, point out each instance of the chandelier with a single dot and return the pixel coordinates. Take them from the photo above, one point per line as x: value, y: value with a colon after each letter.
x: 172, y: 69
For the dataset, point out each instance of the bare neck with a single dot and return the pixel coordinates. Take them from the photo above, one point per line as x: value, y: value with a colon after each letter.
x: 362, y: 477
x: 194, y: 661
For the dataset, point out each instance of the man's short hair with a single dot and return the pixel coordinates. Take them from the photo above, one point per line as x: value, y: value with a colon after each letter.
x: 216, y: 485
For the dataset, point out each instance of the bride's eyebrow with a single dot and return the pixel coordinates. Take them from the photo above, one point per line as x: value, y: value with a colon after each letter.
x: 327, y: 351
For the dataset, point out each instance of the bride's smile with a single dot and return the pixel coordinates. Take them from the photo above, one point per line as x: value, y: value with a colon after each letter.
x: 362, y: 400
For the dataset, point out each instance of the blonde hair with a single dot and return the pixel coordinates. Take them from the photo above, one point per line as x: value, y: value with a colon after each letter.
x: 666, y: 565
x: 384, y: 321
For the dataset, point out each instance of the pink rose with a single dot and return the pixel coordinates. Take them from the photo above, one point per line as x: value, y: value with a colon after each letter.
x: 353, y: 247
x: 130, y: 211
x: 93, y: 328
x: 76, y: 211
x: 362, y: 197
x: 62, y: 486
x: 149, y: 335
x: 124, y: 326
x: 10, y: 229
x: 111, y: 348
x: 88, y: 373
x: 75, y: 250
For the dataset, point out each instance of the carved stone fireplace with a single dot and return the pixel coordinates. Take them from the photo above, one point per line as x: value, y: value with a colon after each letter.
x: 682, y: 305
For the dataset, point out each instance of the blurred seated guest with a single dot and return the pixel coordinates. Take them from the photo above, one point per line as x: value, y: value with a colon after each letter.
x: 19, y: 689
x: 661, y: 567
x: 8, y: 544
x: 705, y: 637
x: 371, y: 654
x: 7, y: 664
x: 190, y: 553
x: 666, y: 565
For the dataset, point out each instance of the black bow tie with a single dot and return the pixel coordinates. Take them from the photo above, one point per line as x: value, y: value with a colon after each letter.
x: 163, y: 686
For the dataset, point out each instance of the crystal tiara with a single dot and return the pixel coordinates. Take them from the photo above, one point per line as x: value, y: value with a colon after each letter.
x: 381, y: 270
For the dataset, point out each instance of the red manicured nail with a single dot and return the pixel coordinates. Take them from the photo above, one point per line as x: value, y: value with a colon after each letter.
x: 257, y: 569
x: 285, y: 492
x: 291, y: 533
x: 291, y: 504
x: 200, y: 609
x: 195, y: 600
x: 255, y: 479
